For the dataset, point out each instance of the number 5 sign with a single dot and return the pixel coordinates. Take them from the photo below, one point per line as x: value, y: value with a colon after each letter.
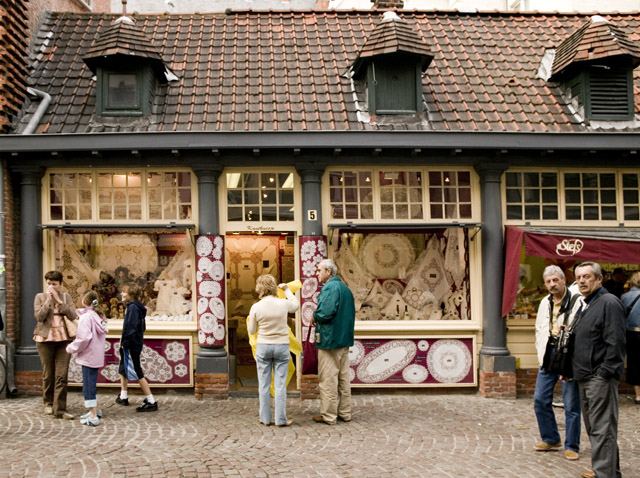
x: 312, y: 214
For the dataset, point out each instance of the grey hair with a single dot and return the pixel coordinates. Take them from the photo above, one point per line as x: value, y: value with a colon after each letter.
x: 553, y: 269
x: 595, y: 267
x: 329, y: 265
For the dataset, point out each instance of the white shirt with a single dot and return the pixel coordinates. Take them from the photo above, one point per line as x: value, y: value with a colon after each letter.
x: 269, y: 318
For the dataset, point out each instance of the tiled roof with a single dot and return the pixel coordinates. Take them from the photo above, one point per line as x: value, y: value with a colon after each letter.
x: 243, y: 71
x: 598, y: 39
x: 394, y: 35
x: 122, y: 38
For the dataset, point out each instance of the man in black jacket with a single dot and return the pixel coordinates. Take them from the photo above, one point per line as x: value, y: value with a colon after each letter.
x: 598, y: 364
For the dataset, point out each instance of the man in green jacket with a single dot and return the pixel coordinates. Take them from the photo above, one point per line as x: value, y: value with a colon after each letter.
x: 334, y: 320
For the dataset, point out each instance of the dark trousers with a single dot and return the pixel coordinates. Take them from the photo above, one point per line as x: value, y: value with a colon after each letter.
x: 599, y: 401
x: 55, y: 367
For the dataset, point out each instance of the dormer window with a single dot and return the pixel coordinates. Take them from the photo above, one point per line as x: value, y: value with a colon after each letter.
x: 390, y: 66
x: 394, y: 87
x: 128, y: 68
x: 595, y: 67
x: 122, y: 92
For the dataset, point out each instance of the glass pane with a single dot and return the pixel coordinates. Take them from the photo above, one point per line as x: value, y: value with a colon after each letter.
x: 436, y: 211
x: 402, y: 211
x: 120, y: 212
x: 609, y: 213
x: 573, y: 212
x: 589, y: 180
x: 56, y: 213
x: 590, y: 197
x: 269, y: 213
x: 464, y: 194
x: 514, y: 195
x: 465, y: 211
x: 268, y: 197
x: 435, y: 178
x: 350, y: 179
x: 451, y: 211
x: 84, y: 180
x: 234, y: 196
x: 335, y: 178
x: 85, y: 213
x: 531, y: 179
x: 70, y: 181
x: 631, y: 213
x: 514, y: 212
x: 401, y: 194
x: 416, y: 211
x: 415, y: 179
x: 351, y: 195
x: 155, y: 211
x: 351, y: 211
x: 135, y: 212
x: 286, y: 213
x: 415, y: 194
x: 251, y: 214
x: 285, y: 180
x: 335, y: 195
x: 122, y: 91
x: 450, y: 195
x: 608, y: 180
x: 119, y: 180
x: 366, y: 195
x: 464, y: 178
x: 104, y: 180
x: 85, y: 196
x: 185, y: 212
x: 251, y: 197
x: 153, y: 179
x: 250, y: 180
x: 549, y: 212
x: 513, y: 179
x: 234, y: 213
x: 135, y: 197
x: 532, y: 212
x: 70, y: 213
x: 55, y: 197
x: 591, y: 213
x: 531, y: 195
x: 549, y: 195
x: 119, y: 196
x: 184, y: 179
x: 135, y: 180
x: 549, y: 180
x: 608, y: 196
x: 572, y: 180
x: 386, y: 211
x: 366, y: 211
x: 286, y: 197
x: 169, y: 196
x: 155, y: 195
x: 572, y: 196
x: 365, y: 178
x: 185, y: 195
x: 435, y: 194
x: 337, y: 211
x: 630, y: 180
x: 170, y: 211
x: 630, y: 196
x: 268, y: 181
x: 105, y: 212
x: 55, y: 180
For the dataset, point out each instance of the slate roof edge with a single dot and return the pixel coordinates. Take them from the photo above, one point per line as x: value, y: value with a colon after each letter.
x: 329, y: 140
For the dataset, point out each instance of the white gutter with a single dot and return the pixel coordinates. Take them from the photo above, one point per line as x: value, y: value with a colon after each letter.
x: 45, y: 100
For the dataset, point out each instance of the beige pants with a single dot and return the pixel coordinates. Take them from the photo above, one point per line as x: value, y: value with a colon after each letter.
x: 55, y: 367
x: 334, y: 384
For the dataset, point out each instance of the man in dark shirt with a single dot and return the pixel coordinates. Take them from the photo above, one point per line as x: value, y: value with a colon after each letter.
x: 615, y: 285
x: 598, y: 364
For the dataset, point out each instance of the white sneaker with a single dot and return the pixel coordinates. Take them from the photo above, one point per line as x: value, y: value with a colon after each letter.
x: 88, y: 414
x: 92, y: 422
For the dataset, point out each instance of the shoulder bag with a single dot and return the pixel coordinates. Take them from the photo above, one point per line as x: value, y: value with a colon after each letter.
x: 557, y: 356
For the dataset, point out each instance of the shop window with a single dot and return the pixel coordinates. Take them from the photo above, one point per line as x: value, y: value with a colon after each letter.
x: 406, y: 277
x: 532, y: 195
x: 138, y: 196
x: 397, y: 195
x: 351, y: 194
x: 630, y: 195
x: 450, y: 194
x: 70, y: 196
x: 260, y: 197
x: 401, y: 195
x: 160, y: 263
x: 590, y: 196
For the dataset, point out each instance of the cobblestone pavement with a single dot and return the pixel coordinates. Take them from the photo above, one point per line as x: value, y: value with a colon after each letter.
x: 390, y: 435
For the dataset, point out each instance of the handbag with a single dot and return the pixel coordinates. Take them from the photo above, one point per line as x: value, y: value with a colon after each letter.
x: 309, y: 356
x: 71, y: 326
x: 559, y: 351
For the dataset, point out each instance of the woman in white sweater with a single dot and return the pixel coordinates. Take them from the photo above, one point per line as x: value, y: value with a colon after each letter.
x: 269, y: 318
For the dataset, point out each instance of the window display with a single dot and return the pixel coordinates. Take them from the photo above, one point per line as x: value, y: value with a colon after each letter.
x: 406, y: 276
x: 160, y: 263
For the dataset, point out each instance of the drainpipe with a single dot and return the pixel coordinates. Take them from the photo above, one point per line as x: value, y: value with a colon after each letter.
x: 45, y: 100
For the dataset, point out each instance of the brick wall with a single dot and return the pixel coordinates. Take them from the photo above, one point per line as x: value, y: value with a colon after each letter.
x: 29, y: 382
x: 309, y: 387
x: 212, y: 385
x: 497, y: 384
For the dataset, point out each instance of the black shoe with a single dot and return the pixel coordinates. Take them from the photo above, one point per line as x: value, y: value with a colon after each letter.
x: 122, y: 401
x: 148, y: 407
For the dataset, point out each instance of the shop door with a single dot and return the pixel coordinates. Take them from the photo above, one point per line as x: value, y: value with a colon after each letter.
x: 248, y: 257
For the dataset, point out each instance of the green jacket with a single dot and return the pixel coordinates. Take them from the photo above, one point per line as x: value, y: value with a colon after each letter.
x: 335, y: 315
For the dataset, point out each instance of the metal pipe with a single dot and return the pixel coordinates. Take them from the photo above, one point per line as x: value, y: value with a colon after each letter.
x: 45, y: 100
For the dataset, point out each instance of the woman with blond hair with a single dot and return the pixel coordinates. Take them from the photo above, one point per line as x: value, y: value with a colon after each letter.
x: 269, y: 318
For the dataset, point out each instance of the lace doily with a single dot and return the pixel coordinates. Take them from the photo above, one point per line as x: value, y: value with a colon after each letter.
x: 384, y: 254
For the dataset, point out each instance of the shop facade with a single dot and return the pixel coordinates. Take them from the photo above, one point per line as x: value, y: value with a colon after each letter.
x: 152, y: 180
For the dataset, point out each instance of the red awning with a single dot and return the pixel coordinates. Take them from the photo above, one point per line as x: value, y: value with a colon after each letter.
x: 598, y: 245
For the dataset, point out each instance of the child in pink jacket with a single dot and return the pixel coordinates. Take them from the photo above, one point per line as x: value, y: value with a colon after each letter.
x: 89, y: 349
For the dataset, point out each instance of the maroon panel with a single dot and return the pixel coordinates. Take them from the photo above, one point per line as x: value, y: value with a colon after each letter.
x: 164, y: 362
x: 210, y: 290
x: 582, y: 249
x: 413, y: 361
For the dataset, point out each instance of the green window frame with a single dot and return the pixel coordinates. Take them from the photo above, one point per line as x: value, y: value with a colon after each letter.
x: 123, y: 92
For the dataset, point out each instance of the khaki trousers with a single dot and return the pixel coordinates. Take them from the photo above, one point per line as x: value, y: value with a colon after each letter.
x: 55, y: 367
x: 334, y: 384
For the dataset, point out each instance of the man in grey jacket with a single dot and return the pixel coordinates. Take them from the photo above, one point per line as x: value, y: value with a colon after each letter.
x: 598, y: 364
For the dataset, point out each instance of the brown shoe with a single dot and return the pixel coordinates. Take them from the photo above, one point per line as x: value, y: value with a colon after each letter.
x: 571, y: 455
x: 48, y: 410
x: 287, y: 424
x: 66, y: 416
x: 542, y: 446
x: 320, y: 419
x: 588, y: 474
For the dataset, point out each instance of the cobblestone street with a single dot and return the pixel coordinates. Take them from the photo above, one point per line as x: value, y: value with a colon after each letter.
x: 390, y: 435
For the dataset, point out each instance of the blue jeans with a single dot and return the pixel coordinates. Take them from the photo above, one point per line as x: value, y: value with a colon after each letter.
x: 89, y: 391
x: 276, y: 356
x: 542, y: 399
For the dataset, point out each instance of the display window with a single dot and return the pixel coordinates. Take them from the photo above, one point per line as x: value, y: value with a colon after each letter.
x: 160, y: 262
x: 134, y: 196
x: 572, y: 196
x: 259, y: 197
x: 400, y: 195
x: 406, y: 276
